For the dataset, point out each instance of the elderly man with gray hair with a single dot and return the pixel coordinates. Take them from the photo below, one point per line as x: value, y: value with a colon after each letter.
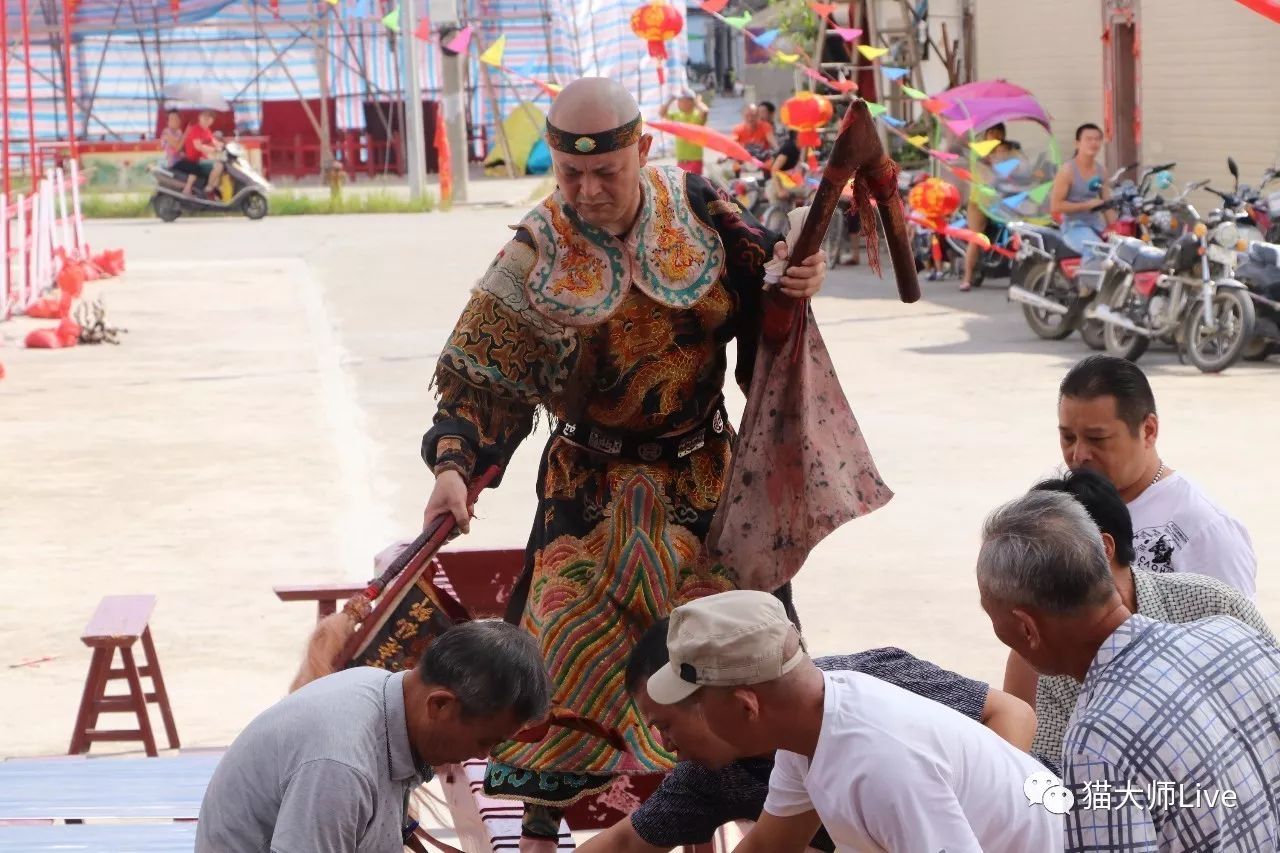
x: 329, y: 768
x: 1175, y: 741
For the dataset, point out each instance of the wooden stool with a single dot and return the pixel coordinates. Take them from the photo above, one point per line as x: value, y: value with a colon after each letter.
x: 118, y: 623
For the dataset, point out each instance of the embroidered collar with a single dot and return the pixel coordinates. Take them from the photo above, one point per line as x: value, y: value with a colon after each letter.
x: 583, y: 272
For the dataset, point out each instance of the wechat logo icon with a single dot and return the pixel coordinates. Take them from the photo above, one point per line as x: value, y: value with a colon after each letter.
x: 1045, y: 789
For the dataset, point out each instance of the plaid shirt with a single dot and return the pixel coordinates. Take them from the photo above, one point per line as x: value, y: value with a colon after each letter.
x: 1176, y: 597
x: 1175, y: 744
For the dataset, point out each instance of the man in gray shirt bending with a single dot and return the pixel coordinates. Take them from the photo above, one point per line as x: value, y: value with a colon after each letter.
x: 329, y: 768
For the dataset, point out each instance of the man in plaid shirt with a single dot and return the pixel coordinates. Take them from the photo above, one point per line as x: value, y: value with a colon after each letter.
x: 1175, y: 741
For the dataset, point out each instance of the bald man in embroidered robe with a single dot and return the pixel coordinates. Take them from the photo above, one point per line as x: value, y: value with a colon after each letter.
x: 610, y: 310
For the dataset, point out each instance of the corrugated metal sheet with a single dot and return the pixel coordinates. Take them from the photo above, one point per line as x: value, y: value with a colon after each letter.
x: 126, y: 51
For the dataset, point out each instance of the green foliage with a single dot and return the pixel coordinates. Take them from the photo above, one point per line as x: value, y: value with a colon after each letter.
x: 796, y: 22
x: 114, y: 205
x: 132, y: 206
x: 299, y: 204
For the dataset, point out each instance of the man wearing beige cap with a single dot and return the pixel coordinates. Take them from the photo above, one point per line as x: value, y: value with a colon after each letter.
x: 880, y: 768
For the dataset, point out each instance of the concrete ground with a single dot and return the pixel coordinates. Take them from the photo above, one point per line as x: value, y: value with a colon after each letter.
x: 260, y: 425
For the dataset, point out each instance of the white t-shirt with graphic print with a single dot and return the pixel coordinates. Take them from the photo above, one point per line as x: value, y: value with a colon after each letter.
x: 1178, y: 528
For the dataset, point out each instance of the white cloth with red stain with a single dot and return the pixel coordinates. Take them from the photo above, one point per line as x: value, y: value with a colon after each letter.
x: 801, y: 467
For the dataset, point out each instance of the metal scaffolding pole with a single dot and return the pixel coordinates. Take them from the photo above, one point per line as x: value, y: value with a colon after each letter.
x: 415, y: 145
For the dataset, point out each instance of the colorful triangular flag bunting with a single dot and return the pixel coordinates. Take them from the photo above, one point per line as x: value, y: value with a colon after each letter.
x: 914, y: 93
x: 896, y: 122
x: 1040, y: 193
x: 849, y: 34
x: 460, y: 42
x: 767, y: 37
x: 918, y: 141
x: 786, y: 58
x: 391, y: 20
x: 713, y: 7
x: 985, y: 147
x: 870, y: 52
x: 1005, y: 168
x: 739, y: 21
x: 823, y: 9
x: 1015, y: 200
x: 493, y: 53
x: 876, y: 109
x: 894, y: 73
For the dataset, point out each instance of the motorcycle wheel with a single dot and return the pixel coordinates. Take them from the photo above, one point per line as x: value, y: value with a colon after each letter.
x: 1119, y: 342
x: 992, y: 265
x: 1091, y: 331
x: 1213, y: 351
x: 254, y: 206
x: 166, y: 207
x: 1050, y: 326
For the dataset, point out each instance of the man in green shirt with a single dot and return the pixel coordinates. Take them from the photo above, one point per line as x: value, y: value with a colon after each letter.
x: 689, y: 109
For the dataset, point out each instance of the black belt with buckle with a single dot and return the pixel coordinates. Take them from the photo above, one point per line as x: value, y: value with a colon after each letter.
x: 643, y: 448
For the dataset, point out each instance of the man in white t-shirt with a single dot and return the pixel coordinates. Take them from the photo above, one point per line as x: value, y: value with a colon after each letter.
x: 1107, y: 421
x: 880, y: 768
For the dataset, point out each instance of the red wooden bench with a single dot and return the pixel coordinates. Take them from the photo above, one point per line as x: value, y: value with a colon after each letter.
x: 118, y: 623
x: 326, y: 596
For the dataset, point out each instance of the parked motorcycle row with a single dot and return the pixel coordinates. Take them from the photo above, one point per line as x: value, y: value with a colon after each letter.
x: 1207, y: 284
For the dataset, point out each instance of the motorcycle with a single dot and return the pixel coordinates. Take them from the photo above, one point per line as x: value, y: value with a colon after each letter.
x: 1260, y: 272
x: 1187, y: 295
x: 1054, y: 283
x: 241, y: 189
x: 1237, y: 205
x: 1263, y: 210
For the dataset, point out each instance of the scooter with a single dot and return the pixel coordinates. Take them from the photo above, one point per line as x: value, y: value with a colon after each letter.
x: 241, y: 189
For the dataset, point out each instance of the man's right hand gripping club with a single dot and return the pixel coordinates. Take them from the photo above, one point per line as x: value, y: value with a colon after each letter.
x: 449, y: 497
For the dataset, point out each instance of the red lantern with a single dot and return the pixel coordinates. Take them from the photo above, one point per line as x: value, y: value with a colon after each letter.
x: 806, y: 112
x: 935, y: 200
x: 657, y: 23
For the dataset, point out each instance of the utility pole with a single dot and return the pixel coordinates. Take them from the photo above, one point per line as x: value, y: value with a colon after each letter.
x: 444, y: 17
x: 415, y: 145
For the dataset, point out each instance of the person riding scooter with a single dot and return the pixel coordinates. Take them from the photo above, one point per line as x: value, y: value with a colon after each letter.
x: 199, y: 155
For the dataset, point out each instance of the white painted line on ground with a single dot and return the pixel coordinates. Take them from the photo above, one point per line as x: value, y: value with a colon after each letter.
x: 367, y: 526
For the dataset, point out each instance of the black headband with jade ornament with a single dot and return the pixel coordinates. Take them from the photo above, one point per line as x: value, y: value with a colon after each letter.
x: 595, y: 143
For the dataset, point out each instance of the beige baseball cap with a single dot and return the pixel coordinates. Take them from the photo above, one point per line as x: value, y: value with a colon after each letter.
x: 733, y: 639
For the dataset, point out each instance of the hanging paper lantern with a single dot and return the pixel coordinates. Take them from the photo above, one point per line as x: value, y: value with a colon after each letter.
x: 934, y: 199
x: 657, y: 23
x: 806, y: 112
